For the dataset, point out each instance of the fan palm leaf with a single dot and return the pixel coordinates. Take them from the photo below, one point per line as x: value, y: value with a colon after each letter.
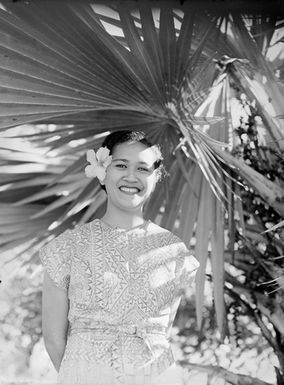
x: 63, y: 67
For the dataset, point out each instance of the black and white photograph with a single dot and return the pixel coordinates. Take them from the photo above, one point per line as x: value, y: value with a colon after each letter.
x: 142, y: 192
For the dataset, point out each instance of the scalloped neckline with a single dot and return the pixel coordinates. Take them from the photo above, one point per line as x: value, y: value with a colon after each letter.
x: 122, y: 230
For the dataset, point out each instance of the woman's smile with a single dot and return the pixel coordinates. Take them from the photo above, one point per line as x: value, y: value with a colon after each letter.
x: 131, y: 177
x: 129, y: 190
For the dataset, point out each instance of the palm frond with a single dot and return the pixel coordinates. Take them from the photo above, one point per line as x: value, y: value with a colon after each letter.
x: 78, y: 71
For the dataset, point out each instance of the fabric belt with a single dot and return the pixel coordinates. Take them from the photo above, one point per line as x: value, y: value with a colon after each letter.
x: 139, y: 330
x: 117, y: 331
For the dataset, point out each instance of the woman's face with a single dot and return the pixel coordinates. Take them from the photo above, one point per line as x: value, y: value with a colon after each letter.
x: 131, y: 177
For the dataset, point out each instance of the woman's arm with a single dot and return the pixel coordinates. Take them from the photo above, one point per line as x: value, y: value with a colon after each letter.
x: 54, y: 320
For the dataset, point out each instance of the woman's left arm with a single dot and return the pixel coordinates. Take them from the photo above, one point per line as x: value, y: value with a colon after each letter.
x: 55, y: 306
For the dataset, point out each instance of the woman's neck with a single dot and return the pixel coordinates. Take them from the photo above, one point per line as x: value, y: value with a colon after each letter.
x: 121, y: 219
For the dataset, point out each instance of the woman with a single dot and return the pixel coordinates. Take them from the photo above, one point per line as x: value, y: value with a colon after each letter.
x: 112, y: 286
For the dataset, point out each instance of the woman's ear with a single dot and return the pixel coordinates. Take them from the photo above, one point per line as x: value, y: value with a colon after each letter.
x: 158, y: 175
x: 156, y: 181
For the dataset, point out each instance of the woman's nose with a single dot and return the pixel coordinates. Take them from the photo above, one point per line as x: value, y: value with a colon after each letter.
x: 131, y: 174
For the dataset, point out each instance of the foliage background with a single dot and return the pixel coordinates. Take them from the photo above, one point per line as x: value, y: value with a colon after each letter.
x: 207, y: 84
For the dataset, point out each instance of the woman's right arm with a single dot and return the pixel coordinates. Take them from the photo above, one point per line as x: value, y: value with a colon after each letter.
x: 55, y: 307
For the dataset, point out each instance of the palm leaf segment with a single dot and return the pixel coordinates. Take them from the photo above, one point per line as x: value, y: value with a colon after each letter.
x: 79, y: 71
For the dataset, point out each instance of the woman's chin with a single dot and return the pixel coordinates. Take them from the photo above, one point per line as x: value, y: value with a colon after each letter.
x: 133, y: 204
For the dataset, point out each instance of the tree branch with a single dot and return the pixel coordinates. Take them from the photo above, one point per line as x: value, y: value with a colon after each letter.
x: 254, y: 313
x: 276, y: 317
x: 230, y: 377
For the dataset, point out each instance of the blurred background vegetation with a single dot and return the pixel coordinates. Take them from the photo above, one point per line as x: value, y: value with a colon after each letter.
x: 206, y: 83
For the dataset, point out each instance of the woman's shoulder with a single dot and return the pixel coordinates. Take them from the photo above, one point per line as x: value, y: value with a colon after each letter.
x: 83, y: 233
x: 71, y: 235
x: 158, y: 230
x: 165, y: 233
x: 156, y: 227
x: 84, y: 229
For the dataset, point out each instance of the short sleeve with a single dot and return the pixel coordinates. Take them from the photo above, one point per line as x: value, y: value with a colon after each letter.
x: 188, y: 271
x: 186, y: 264
x: 56, y: 258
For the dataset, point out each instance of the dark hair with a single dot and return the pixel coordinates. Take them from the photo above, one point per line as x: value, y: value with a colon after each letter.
x: 126, y: 136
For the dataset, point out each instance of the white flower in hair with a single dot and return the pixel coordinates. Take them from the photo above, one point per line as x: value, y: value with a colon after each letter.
x: 99, y: 160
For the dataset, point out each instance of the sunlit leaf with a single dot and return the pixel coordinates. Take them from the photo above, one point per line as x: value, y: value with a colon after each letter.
x: 78, y: 72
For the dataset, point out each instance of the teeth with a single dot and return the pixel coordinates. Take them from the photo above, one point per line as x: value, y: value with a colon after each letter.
x: 129, y: 189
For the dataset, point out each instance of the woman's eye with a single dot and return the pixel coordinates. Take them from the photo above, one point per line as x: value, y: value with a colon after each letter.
x: 143, y: 169
x: 120, y: 165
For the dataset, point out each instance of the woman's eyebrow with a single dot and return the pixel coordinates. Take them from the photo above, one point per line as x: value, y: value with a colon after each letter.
x: 127, y: 161
x: 120, y: 159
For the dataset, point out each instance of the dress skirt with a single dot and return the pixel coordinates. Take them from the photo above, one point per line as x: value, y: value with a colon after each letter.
x: 87, y: 364
x: 174, y: 375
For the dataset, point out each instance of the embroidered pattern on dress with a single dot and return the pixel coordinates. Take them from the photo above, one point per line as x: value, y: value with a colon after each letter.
x: 122, y: 287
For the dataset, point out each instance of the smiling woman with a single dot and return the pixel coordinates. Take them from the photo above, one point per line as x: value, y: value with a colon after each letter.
x: 117, y: 281
x: 131, y: 177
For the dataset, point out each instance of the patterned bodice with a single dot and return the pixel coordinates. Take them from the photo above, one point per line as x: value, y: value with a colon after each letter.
x: 116, y: 277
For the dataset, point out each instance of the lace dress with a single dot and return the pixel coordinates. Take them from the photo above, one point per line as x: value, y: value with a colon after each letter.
x: 124, y: 288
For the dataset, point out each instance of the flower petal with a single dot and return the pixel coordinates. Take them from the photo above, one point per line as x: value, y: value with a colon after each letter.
x: 107, y: 161
x: 99, y: 162
x: 102, y: 154
x: 91, y: 157
x: 91, y: 172
x: 101, y: 173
